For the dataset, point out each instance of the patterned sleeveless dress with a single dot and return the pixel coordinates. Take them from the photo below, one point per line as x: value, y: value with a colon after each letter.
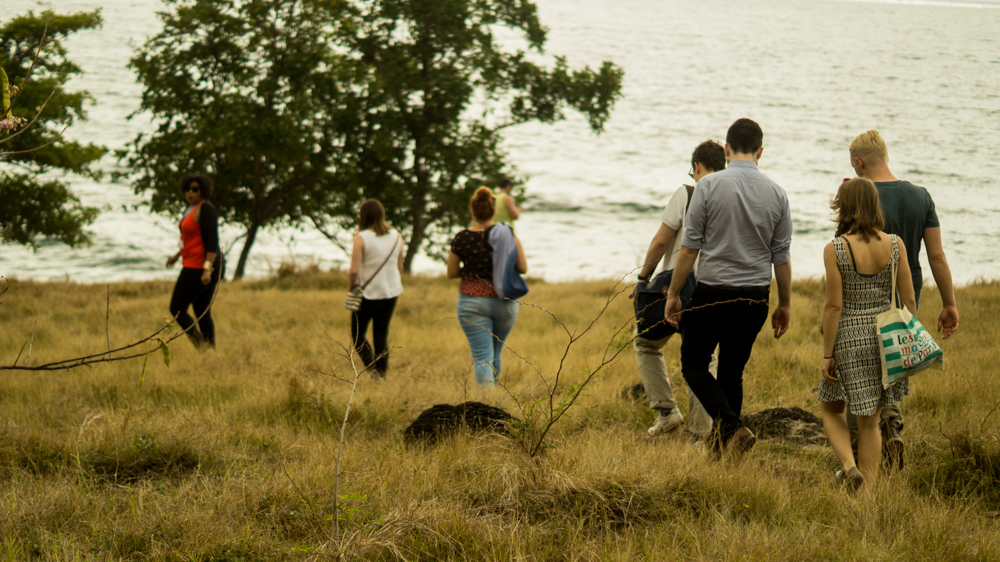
x: 856, y: 351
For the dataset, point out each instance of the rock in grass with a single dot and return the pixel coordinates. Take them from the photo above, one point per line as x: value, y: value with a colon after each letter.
x: 435, y: 422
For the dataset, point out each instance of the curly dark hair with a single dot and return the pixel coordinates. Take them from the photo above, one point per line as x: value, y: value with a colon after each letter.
x: 203, y: 182
x: 711, y: 155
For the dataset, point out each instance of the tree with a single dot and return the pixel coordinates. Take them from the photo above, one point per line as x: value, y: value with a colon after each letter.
x: 425, y: 64
x: 36, y: 111
x: 249, y: 92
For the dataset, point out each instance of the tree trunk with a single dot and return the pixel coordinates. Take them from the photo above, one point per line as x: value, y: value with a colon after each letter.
x: 241, y: 266
x: 416, y: 238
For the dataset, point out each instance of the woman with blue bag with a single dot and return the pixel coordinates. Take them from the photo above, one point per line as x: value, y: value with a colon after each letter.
x: 863, y: 266
x: 489, y: 259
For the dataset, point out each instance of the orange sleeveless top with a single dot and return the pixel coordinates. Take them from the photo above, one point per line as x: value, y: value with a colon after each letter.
x: 193, y: 249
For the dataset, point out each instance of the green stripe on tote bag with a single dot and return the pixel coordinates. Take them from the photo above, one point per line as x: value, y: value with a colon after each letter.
x: 907, y: 347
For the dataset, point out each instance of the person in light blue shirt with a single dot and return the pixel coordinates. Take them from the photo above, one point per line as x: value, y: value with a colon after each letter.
x: 740, y: 225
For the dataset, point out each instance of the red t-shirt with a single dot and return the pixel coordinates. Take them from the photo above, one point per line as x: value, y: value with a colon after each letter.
x: 474, y: 249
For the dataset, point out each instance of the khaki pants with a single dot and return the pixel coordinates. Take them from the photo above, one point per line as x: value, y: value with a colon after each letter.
x: 653, y: 371
x: 889, y: 413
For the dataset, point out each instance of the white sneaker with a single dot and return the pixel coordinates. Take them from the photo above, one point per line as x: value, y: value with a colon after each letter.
x: 665, y: 423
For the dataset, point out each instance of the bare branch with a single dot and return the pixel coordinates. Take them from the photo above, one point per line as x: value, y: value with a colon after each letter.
x: 34, y: 61
x: 30, y: 123
x: 37, y: 148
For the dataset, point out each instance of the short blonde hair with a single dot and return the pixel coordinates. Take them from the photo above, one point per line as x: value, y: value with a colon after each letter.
x: 870, y: 148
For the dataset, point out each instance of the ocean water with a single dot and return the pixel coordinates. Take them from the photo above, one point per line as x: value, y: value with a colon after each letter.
x: 813, y: 73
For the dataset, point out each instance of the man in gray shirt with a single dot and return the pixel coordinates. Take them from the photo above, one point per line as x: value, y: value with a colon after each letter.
x: 740, y: 224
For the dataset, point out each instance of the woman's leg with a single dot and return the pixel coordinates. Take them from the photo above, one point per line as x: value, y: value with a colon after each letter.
x: 837, y: 433
x: 504, y: 317
x: 181, y: 299
x: 202, y: 307
x: 359, y: 325
x: 380, y: 332
x: 474, y: 317
x: 869, y: 446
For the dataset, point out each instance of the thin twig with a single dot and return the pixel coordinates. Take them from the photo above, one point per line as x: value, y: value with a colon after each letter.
x: 340, y: 447
x: 303, y: 496
x: 107, y: 320
x: 30, y: 150
x: 30, y: 345
x: 34, y: 61
x: 30, y: 123
x: 982, y: 425
x: 74, y: 362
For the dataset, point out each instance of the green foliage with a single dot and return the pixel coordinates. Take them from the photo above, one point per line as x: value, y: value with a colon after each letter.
x: 30, y: 208
x: 251, y: 93
x: 428, y: 67
x: 301, y: 109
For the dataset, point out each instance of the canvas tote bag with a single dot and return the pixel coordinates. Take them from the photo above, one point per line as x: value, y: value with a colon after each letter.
x: 906, y: 347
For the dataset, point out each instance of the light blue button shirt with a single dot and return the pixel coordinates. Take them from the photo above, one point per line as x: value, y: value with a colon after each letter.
x: 741, y: 222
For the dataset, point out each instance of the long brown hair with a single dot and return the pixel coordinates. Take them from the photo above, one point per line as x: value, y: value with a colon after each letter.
x: 858, y: 209
x: 483, y: 204
x: 372, y: 215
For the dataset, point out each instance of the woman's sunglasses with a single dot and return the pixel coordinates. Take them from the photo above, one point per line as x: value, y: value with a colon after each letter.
x: 195, y: 188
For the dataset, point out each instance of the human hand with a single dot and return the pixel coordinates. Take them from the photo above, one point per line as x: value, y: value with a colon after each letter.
x: 829, y: 370
x: 672, y: 311
x: 173, y: 259
x: 780, y: 321
x: 206, y: 276
x: 948, y: 320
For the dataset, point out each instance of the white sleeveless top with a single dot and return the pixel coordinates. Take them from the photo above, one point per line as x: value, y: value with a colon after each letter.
x: 387, y: 284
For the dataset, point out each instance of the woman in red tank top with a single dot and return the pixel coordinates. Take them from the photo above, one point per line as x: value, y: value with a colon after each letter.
x: 203, y: 263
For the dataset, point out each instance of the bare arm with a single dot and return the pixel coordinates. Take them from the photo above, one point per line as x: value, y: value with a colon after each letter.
x: 357, y: 256
x: 948, y: 320
x: 522, y: 260
x: 683, y: 267
x: 512, y: 207
x: 454, y: 267
x: 904, y: 281
x: 831, y: 310
x: 782, y: 316
x: 402, y: 254
x: 662, y: 240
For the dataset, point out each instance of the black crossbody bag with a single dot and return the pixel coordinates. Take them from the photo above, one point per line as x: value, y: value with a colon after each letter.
x: 650, y: 299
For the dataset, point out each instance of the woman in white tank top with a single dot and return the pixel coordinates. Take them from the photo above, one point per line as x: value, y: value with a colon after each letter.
x: 376, y: 265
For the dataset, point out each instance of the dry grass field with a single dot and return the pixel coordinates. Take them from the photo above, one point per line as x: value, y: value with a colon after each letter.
x: 229, y: 455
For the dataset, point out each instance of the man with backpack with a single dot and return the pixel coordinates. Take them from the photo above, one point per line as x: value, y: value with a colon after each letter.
x: 651, y: 336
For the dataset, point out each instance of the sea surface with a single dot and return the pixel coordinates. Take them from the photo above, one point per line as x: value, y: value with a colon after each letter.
x: 813, y: 73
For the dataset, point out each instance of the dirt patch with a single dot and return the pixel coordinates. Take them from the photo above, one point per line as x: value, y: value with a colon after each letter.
x: 441, y: 419
x: 793, y: 425
x: 635, y: 393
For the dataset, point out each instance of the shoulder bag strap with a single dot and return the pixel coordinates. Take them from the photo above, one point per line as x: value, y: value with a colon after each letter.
x: 386, y: 260
x: 690, y: 190
x: 894, y: 289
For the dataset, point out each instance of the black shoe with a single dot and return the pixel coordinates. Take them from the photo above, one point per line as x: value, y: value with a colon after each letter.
x: 892, y: 446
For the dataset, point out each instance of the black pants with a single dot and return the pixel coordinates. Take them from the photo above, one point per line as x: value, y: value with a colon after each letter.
x: 733, y: 327
x: 189, y: 291
x: 379, y: 313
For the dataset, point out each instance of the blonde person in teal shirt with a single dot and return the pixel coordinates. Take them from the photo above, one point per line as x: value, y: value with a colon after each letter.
x: 507, y: 209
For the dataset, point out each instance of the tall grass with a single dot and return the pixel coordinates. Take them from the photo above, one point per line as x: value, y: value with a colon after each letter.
x: 228, y: 455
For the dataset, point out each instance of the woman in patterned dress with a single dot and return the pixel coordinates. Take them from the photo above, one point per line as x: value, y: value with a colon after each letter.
x: 859, y: 265
x: 486, y: 318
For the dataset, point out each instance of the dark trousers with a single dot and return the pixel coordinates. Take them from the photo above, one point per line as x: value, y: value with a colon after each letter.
x: 190, y: 292
x: 733, y: 327
x: 379, y: 313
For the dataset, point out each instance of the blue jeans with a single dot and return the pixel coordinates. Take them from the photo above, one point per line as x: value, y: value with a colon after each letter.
x: 486, y: 321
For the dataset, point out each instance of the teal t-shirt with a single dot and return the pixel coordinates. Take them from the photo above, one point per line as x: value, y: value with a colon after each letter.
x: 908, y: 210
